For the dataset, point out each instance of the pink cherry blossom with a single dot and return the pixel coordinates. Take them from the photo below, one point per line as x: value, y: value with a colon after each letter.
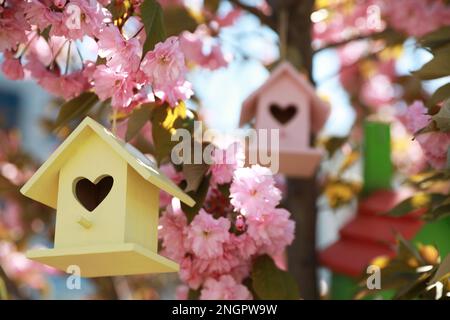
x: 206, y: 235
x: 192, y: 45
x: 225, y: 162
x: 165, y: 64
x: 377, y: 91
x: 40, y: 14
x: 13, y: 26
x: 224, y: 288
x: 121, y: 54
x: 173, y: 226
x: 59, y: 3
x: 173, y: 93
x: 229, y: 18
x: 345, y: 23
x: 117, y: 85
x: 166, y: 69
x: 66, y: 86
x: 416, y: 117
x: 229, y: 262
x: 77, y: 19
x: 245, y: 245
x: 215, y: 59
x: 190, y: 274
x: 41, y: 50
x: 417, y: 17
x: 272, y: 231
x: 407, y: 155
x: 253, y: 190
x: 11, y: 67
x: 435, y: 146
x: 107, y: 2
x: 93, y: 16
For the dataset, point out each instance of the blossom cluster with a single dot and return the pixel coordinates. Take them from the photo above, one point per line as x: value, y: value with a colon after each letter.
x: 13, y: 220
x: 71, y: 46
x: 435, y: 145
x: 216, y: 249
x: 411, y: 17
x: 371, y: 81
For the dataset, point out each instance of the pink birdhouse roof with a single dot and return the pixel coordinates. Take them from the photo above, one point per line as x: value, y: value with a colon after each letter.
x: 370, y: 234
x: 319, y: 109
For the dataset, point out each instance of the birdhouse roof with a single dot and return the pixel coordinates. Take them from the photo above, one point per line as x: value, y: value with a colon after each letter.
x: 46, y: 176
x: 370, y: 234
x: 319, y: 109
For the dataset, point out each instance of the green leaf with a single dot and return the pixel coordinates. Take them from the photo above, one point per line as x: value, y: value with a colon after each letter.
x: 443, y: 271
x: 438, y: 67
x: 436, y: 39
x: 46, y: 33
x: 153, y: 20
x: 193, y: 294
x: 390, y: 37
x: 211, y: 5
x: 118, y: 8
x: 138, y: 119
x: 417, y: 201
x: 434, y: 176
x: 439, y: 212
x: 177, y: 20
x: 271, y: 283
x: 430, y: 127
x: 75, y: 108
x: 407, y: 250
x: 412, y: 289
x: 248, y: 282
x: 442, y: 118
x: 194, y: 174
x: 199, y: 196
x: 334, y: 144
x: 440, y: 95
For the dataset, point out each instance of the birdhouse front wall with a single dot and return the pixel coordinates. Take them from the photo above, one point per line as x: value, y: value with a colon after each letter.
x: 284, y: 106
x: 86, y: 176
x: 142, y: 211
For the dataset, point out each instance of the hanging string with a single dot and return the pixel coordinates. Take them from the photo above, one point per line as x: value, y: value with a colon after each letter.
x: 283, y: 32
x: 114, y: 121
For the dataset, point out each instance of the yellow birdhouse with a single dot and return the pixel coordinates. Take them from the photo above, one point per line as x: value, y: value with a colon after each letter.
x: 106, y: 196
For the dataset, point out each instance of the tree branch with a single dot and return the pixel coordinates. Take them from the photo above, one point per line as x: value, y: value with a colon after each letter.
x: 265, y: 19
x: 372, y: 36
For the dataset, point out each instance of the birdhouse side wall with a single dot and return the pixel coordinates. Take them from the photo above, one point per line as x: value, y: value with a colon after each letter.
x: 284, y: 94
x: 92, y: 159
x: 142, y: 211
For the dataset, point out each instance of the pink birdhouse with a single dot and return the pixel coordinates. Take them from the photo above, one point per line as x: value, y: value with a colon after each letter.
x: 288, y: 102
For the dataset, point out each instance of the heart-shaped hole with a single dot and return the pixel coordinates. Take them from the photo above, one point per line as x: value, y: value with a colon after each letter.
x: 283, y: 115
x: 89, y: 194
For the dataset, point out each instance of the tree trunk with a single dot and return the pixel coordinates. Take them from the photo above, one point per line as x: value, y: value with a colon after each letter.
x: 302, y: 193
